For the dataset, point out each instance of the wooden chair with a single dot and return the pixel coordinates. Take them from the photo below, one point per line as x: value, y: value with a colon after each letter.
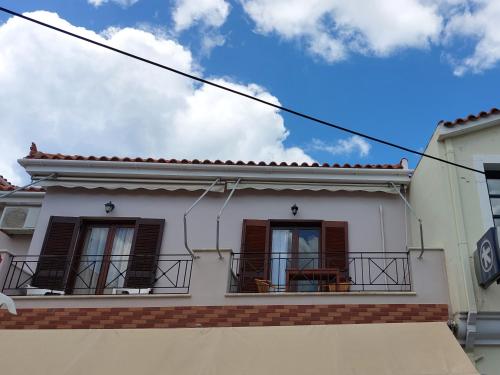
x: 263, y: 286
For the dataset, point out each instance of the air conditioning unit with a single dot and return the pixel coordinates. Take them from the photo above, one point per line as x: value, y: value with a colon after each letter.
x: 19, y: 219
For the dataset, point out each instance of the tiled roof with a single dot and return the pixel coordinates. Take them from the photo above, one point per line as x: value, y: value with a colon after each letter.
x: 35, y: 154
x: 5, y: 185
x: 480, y: 115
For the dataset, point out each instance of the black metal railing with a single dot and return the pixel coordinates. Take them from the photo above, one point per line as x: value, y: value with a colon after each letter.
x: 331, y: 272
x: 98, y: 274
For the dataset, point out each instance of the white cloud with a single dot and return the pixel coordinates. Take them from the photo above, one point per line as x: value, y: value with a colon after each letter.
x: 332, y: 28
x: 73, y: 97
x: 208, y: 13
x: 479, y: 23
x: 123, y: 3
x: 354, y: 144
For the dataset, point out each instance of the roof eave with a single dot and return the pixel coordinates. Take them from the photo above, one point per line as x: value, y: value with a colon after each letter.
x: 468, y: 127
x: 87, y: 169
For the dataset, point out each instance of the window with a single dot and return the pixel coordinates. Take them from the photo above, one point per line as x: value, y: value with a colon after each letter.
x: 293, y: 255
x: 296, y: 247
x: 493, y: 183
x: 94, y: 257
x: 103, y: 258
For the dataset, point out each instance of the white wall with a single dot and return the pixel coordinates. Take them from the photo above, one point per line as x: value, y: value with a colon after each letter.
x: 359, y: 209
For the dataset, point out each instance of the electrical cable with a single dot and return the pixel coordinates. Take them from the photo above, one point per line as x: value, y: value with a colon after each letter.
x: 222, y: 87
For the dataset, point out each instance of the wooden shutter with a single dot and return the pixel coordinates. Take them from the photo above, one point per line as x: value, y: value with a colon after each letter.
x: 254, y: 254
x: 146, y: 245
x: 335, y: 245
x: 57, y: 253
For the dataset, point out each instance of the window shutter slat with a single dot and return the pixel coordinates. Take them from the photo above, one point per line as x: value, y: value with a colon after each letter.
x: 255, y: 252
x: 57, y: 253
x: 335, y: 245
x: 146, y: 245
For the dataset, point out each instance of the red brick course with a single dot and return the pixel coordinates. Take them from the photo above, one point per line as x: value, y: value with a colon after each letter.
x: 220, y: 316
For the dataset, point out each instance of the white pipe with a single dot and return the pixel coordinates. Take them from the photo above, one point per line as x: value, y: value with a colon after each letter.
x: 220, y: 214
x: 188, y: 211
x: 382, y: 236
x: 406, y: 222
x: 463, y: 251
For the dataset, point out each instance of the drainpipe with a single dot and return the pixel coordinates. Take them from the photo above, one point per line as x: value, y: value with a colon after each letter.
x: 185, y: 218
x: 463, y: 251
x: 220, y: 214
x: 418, y: 219
x: 52, y: 176
x: 382, y: 236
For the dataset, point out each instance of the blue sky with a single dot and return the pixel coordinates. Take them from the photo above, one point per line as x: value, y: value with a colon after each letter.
x: 396, y: 90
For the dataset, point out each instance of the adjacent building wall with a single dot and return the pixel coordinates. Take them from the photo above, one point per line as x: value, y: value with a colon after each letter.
x: 450, y: 201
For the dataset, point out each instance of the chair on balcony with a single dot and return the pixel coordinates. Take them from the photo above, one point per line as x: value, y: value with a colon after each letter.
x: 264, y: 286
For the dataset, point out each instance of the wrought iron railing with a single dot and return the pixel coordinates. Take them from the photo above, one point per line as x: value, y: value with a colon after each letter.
x: 98, y: 274
x: 331, y: 272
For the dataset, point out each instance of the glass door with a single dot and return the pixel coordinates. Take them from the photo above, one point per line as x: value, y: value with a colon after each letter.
x: 294, y: 250
x: 308, y: 258
x: 103, y: 259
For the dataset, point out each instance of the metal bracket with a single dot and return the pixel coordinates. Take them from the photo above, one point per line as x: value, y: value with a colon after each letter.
x: 220, y: 214
x: 418, y: 219
x: 185, y: 218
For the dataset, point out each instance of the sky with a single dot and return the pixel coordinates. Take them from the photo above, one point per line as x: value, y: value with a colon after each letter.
x: 388, y: 68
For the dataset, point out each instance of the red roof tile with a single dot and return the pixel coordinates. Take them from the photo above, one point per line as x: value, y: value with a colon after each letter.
x: 35, y: 154
x: 480, y: 115
x: 5, y: 185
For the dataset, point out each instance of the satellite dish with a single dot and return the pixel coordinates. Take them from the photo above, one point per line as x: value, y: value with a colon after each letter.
x: 8, y: 303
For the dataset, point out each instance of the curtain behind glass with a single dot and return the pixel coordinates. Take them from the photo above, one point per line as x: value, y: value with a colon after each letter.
x: 280, y: 253
x: 119, y: 257
x: 91, y: 260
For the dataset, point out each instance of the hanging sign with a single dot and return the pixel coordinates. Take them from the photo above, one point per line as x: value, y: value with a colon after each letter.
x: 487, y: 258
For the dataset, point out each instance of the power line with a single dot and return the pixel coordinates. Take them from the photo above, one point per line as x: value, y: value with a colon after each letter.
x: 222, y: 87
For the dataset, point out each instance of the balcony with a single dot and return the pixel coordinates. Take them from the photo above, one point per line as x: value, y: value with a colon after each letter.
x: 284, y: 272
x: 98, y: 275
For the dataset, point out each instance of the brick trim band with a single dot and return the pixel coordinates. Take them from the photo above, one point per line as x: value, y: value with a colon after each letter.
x: 220, y: 316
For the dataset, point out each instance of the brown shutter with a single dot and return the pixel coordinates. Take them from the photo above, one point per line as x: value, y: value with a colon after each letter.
x: 335, y: 245
x: 254, y: 254
x: 57, y: 253
x: 141, y: 271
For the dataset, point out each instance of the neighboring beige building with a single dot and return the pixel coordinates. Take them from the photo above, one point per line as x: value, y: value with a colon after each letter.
x: 124, y: 243
x: 457, y: 206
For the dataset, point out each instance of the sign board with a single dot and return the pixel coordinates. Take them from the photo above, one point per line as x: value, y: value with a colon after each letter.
x: 487, y: 258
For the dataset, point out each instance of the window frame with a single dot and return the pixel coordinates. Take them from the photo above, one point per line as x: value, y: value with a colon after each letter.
x: 492, y: 175
x: 88, y: 224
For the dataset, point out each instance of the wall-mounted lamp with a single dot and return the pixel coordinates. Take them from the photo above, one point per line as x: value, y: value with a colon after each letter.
x: 109, y: 207
x: 294, y: 209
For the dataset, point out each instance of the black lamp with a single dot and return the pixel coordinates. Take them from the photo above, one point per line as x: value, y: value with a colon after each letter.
x: 109, y: 207
x: 294, y: 209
